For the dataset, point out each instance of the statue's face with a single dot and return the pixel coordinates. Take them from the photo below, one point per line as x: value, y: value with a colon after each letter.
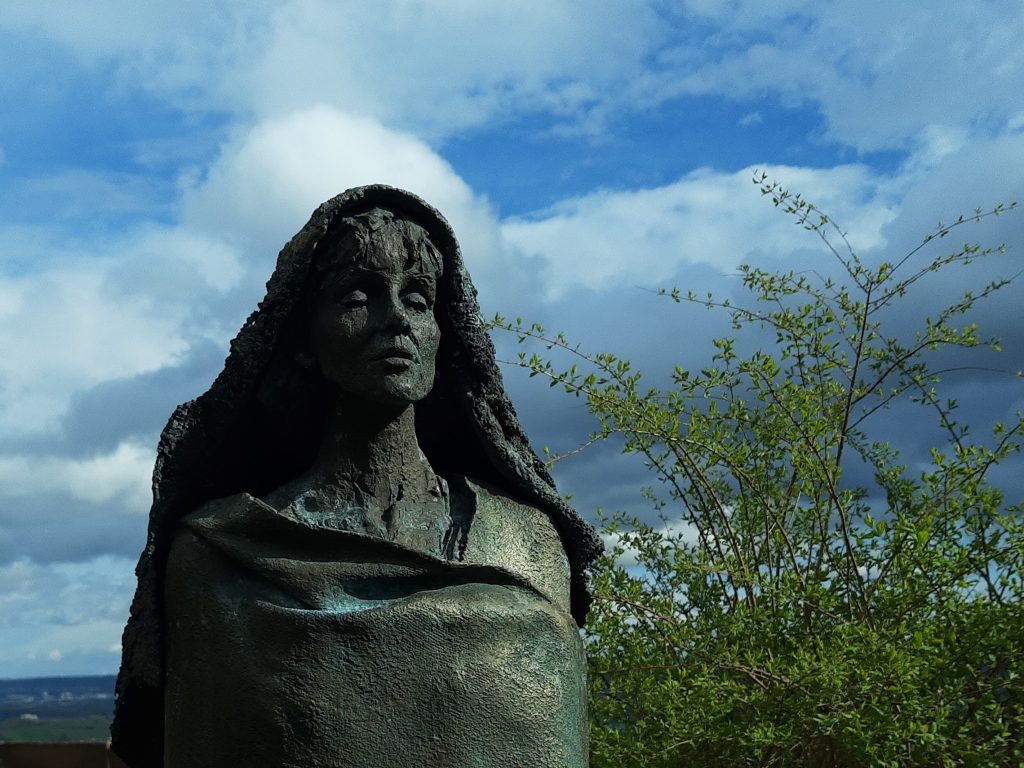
x: 374, y: 330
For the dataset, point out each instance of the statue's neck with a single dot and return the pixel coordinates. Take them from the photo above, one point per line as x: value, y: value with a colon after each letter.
x: 370, y: 448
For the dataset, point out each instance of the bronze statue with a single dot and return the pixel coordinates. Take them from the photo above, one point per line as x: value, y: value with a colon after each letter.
x: 354, y: 556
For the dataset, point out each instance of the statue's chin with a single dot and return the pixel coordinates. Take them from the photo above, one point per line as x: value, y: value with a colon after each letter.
x: 396, y: 390
x: 392, y: 383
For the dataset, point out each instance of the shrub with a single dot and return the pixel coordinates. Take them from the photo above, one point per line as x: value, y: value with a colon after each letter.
x: 779, y: 615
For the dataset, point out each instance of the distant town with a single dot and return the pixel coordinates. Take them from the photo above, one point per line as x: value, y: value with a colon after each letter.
x: 56, y: 708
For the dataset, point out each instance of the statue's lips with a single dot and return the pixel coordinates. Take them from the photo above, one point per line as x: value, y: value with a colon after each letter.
x: 395, y: 356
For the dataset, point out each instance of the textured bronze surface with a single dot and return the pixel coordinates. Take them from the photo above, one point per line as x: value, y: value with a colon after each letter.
x: 354, y: 556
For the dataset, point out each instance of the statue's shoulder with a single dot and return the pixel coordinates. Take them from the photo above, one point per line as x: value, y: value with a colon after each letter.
x: 514, y: 534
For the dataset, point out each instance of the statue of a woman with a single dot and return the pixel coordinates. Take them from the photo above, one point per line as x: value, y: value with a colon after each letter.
x: 354, y: 557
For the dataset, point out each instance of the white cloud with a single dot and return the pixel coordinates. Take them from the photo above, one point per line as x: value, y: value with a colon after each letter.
x: 880, y: 72
x: 673, y: 530
x: 934, y: 143
x: 62, y: 618
x: 110, y: 26
x: 749, y: 119
x: 643, y: 237
x: 97, y: 588
x: 170, y: 48
x: 63, y: 330
x: 448, y: 65
x: 75, y: 193
x: 433, y: 66
x: 121, y: 474
x: 124, y: 471
x: 11, y: 300
x: 81, y: 306
x: 949, y: 176
x: 979, y: 174
x: 269, y: 179
x: 218, y: 263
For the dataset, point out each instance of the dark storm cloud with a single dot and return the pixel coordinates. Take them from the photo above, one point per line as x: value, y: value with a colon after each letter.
x: 101, y: 417
x: 54, y: 527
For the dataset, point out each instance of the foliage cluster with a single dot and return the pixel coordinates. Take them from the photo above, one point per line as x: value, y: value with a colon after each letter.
x: 779, y: 614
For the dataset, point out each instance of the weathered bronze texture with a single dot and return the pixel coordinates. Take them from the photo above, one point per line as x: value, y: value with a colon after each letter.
x: 354, y: 556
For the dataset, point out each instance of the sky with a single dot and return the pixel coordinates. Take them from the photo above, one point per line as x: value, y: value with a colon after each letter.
x: 154, y: 157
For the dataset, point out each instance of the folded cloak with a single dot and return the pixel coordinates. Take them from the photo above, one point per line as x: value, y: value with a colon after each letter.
x: 295, y: 644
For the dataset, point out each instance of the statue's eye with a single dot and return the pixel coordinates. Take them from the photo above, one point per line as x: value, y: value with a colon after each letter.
x: 416, y: 301
x: 353, y: 300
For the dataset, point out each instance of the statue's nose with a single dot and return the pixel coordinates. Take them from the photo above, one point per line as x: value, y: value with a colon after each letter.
x: 397, y: 314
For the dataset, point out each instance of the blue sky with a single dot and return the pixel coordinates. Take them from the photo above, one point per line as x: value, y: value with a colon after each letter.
x: 154, y: 157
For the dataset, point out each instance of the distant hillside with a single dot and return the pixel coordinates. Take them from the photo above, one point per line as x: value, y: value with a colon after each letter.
x: 57, y: 697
